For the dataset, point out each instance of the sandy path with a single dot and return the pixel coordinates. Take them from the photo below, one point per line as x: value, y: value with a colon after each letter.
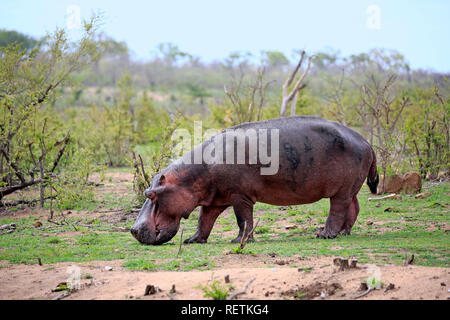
x: 36, y: 282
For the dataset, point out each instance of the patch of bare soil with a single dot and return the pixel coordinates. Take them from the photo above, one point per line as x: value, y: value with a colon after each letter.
x: 292, y: 278
x: 113, y: 182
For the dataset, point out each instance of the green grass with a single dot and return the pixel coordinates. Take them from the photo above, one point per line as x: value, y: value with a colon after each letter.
x: 413, y: 226
x: 216, y: 290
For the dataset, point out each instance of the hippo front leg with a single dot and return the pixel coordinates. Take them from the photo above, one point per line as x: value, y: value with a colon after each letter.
x: 243, y: 209
x: 336, y: 218
x: 208, y: 215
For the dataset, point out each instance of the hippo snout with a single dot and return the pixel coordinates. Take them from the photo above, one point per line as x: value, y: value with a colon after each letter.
x: 145, y: 236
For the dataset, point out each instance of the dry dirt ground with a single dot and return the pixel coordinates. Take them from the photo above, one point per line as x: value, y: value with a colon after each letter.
x: 282, y: 281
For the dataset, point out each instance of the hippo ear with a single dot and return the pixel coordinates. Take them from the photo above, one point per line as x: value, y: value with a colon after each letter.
x: 162, y: 178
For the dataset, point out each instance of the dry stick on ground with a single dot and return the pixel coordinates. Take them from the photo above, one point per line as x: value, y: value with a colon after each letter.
x: 244, y: 291
x: 364, y: 293
x: 62, y: 296
x: 291, y: 97
x: 27, y: 202
x: 389, y: 196
x: 181, y: 241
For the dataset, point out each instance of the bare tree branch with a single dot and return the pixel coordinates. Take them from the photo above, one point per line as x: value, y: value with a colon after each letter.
x: 291, y: 97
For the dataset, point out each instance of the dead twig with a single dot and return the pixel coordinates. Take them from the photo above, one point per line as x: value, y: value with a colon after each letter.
x: 389, y: 196
x: 244, y: 291
x: 364, y: 293
x: 181, y: 241
x: 291, y: 97
x: 62, y: 296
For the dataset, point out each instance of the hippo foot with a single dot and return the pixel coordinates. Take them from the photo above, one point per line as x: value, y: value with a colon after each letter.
x: 239, y: 238
x: 345, y: 232
x: 195, y: 239
x: 324, y: 234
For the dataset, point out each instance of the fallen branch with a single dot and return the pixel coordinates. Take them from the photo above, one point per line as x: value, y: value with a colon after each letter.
x: 244, y: 291
x: 62, y: 296
x: 364, y: 293
x: 19, y: 202
x: 389, y: 196
x: 181, y: 242
x: 10, y: 228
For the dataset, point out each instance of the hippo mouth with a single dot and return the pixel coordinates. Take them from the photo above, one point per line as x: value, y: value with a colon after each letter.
x: 158, y: 237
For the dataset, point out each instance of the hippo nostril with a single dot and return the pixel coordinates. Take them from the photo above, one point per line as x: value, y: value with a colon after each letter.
x: 134, y: 231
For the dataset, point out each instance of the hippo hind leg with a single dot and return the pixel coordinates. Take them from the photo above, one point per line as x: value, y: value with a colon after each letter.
x: 352, y: 214
x: 336, y: 219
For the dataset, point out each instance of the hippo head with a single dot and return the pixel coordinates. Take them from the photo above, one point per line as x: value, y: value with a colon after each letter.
x: 167, y: 202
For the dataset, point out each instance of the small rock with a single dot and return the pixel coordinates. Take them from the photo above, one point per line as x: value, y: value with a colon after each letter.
x: 150, y: 289
x: 292, y: 226
x: 390, y: 286
x: 108, y: 268
x: 37, y: 224
x: 363, y: 286
x: 443, y: 284
x: 227, y: 278
x: 369, y: 223
x: 173, y: 290
x: 281, y: 262
x: 323, y: 295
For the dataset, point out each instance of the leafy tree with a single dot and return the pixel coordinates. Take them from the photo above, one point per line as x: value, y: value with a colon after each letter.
x: 275, y: 58
x: 10, y: 37
x: 33, y: 138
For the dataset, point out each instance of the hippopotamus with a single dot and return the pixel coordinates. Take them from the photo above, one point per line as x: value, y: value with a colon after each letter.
x: 317, y: 159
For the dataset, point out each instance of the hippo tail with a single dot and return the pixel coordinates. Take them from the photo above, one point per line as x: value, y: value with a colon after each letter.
x: 372, y: 178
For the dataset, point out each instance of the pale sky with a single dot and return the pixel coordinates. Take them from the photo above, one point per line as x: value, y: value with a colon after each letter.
x: 211, y: 29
